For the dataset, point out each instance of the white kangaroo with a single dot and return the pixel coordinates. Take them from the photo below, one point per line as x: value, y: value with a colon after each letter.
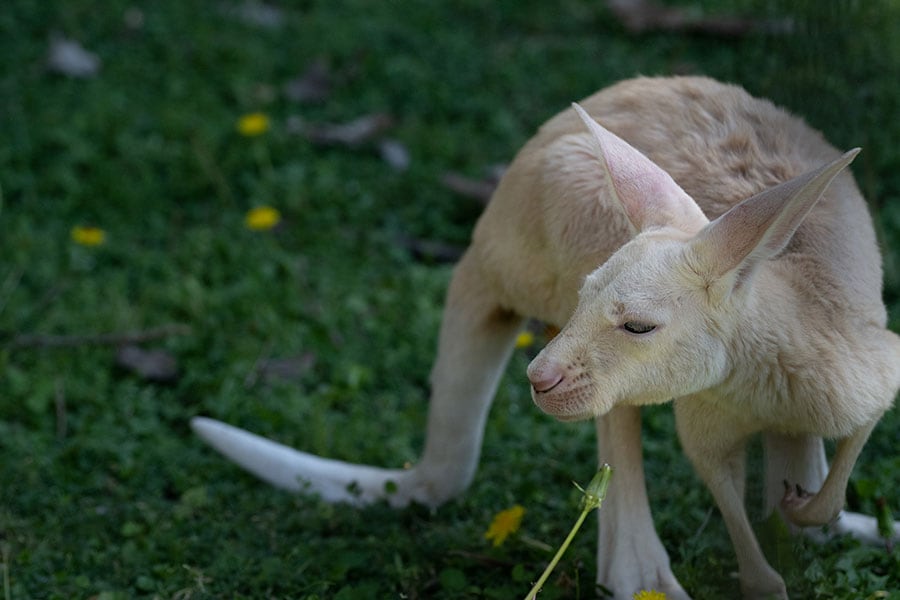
x: 749, y: 292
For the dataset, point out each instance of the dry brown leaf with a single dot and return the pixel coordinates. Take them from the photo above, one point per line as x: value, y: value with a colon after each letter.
x: 314, y: 85
x: 638, y: 16
x: 134, y: 18
x: 256, y: 13
x: 395, y: 154
x: 70, y: 58
x: 157, y: 366
x: 292, y: 368
x: 478, y: 189
x: 352, y: 133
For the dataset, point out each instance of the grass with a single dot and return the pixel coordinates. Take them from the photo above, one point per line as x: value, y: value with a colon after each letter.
x: 106, y: 494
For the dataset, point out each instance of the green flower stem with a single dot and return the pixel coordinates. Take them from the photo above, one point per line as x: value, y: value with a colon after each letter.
x: 565, y: 545
x: 593, y: 498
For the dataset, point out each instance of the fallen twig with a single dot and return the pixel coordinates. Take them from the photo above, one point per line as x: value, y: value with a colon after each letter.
x: 639, y: 16
x: 116, y: 338
x: 431, y: 250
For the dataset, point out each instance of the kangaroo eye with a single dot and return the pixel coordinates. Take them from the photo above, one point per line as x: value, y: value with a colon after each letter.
x: 637, y: 327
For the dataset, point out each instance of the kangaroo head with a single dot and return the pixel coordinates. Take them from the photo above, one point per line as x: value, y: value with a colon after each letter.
x: 653, y: 322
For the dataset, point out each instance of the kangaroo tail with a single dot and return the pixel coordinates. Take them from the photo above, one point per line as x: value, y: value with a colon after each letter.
x: 289, y: 469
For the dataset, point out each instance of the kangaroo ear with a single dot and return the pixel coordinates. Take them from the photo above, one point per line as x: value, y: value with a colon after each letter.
x: 760, y: 227
x: 647, y: 194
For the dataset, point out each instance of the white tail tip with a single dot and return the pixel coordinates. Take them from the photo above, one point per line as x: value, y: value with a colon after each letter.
x: 286, y: 468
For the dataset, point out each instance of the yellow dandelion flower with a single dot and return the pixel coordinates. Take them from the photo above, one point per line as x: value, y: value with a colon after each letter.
x: 525, y: 339
x: 262, y: 218
x: 505, y: 522
x: 649, y: 595
x: 253, y: 124
x: 88, y: 236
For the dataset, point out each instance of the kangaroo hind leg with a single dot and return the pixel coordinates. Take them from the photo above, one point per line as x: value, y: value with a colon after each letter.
x: 476, y: 339
x: 800, y: 460
x: 805, y: 509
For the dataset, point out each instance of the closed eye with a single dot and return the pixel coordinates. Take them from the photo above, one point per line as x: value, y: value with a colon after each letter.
x: 637, y: 327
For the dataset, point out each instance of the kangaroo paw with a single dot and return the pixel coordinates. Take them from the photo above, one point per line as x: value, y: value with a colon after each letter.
x: 795, y: 497
x: 797, y: 504
x: 803, y: 508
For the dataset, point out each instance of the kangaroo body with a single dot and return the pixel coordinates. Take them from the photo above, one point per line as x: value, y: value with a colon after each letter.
x: 788, y: 338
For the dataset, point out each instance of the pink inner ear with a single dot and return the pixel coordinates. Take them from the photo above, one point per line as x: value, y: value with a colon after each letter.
x: 649, y: 195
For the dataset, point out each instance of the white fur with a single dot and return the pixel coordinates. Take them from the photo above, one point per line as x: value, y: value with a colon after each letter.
x: 758, y: 270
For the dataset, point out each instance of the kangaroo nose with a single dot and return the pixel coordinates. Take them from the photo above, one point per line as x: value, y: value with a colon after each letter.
x: 544, y: 376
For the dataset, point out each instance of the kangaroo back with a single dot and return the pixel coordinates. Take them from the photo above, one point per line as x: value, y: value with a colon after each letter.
x: 720, y: 144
